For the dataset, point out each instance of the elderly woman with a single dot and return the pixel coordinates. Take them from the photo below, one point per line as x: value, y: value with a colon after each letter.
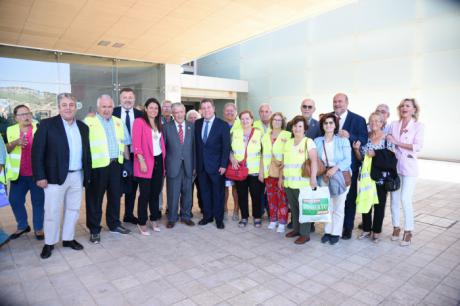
x: 296, y: 151
x: 407, y: 136
x: 335, y: 153
x: 149, y: 151
x: 248, y: 139
x: 372, y: 227
x: 272, y: 148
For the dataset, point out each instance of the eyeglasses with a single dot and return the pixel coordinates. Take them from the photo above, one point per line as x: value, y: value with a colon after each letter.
x: 329, y: 122
x: 23, y: 114
x: 307, y: 106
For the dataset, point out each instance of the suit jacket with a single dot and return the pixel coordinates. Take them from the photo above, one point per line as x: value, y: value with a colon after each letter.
x: 178, y: 152
x: 213, y: 154
x: 313, y: 129
x: 143, y: 144
x: 356, y: 126
x: 117, y: 112
x: 50, y: 151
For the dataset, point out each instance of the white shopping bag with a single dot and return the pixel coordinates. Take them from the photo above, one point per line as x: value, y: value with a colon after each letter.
x: 314, y: 205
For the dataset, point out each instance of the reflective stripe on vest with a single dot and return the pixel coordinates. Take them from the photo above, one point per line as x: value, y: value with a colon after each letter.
x: 294, y: 156
x: 98, y: 141
x: 367, y: 191
x: 14, y: 161
x: 275, y: 149
x: 254, y: 149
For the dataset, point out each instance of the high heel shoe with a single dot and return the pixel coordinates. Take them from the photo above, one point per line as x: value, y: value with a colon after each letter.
x: 142, y: 232
x: 406, y: 240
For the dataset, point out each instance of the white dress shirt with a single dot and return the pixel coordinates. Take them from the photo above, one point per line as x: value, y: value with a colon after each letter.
x: 343, y: 117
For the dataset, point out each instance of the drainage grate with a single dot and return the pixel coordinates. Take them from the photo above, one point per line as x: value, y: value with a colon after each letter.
x: 435, y: 220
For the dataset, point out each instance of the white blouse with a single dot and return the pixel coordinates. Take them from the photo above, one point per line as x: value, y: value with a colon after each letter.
x: 156, y: 137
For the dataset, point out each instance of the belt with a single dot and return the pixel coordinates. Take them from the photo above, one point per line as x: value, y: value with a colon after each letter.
x: 72, y: 171
x: 113, y: 160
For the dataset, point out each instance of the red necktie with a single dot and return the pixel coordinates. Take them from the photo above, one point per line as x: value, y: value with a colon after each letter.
x: 181, y: 134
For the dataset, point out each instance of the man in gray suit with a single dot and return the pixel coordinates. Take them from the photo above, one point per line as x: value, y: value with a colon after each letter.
x: 180, y: 164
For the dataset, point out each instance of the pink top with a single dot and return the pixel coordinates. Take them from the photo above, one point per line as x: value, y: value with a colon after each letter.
x: 26, y: 154
x: 412, y: 134
x: 142, y: 144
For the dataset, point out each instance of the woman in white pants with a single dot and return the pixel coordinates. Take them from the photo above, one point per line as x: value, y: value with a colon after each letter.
x: 407, y: 135
x: 335, y: 152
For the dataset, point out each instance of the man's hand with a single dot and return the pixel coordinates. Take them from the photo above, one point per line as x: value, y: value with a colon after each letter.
x: 222, y: 171
x: 344, y: 134
x: 42, y: 183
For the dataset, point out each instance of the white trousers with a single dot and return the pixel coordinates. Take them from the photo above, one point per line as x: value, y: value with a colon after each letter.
x: 337, y: 211
x: 404, y: 196
x: 58, y: 197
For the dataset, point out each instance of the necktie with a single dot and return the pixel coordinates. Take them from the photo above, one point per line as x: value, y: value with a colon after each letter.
x: 128, y: 122
x: 181, y: 134
x: 205, y: 134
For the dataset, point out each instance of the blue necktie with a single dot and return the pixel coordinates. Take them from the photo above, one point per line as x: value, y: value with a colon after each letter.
x: 205, y: 135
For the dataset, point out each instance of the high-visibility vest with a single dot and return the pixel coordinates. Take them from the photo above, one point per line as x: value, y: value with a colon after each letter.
x: 367, y: 191
x: 254, y: 149
x: 258, y: 124
x: 236, y: 125
x: 14, y: 157
x: 98, y: 141
x: 275, y: 150
x: 293, y: 158
x: 3, y: 176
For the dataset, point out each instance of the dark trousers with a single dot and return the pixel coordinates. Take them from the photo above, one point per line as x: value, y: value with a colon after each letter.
x: 104, y: 179
x: 212, y: 190
x: 149, y: 193
x: 293, y: 198
x: 350, y: 203
x: 379, y: 213
x: 198, y: 195
x: 130, y: 194
x: 255, y: 189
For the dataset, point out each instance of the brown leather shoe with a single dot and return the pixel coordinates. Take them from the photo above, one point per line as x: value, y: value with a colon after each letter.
x: 188, y: 222
x: 170, y: 224
x: 302, y: 239
x: 292, y: 234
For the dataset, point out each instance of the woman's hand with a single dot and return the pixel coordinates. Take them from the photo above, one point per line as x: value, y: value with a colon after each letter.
x: 235, y: 164
x: 313, y: 183
x: 356, y: 145
x: 261, y: 177
x: 143, y: 166
x: 280, y: 183
x: 371, y: 153
x: 391, y: 139
x: 331, y: 171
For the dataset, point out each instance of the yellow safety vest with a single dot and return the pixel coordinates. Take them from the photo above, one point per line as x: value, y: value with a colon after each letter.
x: 3, y: 178
x: 98, y: 141
x: 236, y: 125
x: 254, y: 149
x: 367, y: 191
x: 258, y: 124
x: 13, y: 162
x: 275, y: 149
x: 293, y: 158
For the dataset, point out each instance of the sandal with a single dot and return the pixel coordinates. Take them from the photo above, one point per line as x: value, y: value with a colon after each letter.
x: 395, y: 235
x: 364, y: 235
x: 407, y: 237
x: 375, y: 238
x: 258, y: 223
x: 243, y: 223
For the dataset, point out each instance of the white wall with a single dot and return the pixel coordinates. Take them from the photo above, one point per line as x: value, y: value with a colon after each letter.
x: 376, y: 51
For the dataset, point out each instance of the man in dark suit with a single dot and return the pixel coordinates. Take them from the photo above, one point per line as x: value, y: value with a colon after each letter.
x: 179, y: 137
x: 127, y: 113
x: 307, y: 108
x: 61, y: 162
x: 212, y: 143
x: 353, y: 127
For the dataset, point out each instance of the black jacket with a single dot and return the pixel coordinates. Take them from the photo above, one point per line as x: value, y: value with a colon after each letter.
x: 50, y: 151
x: 383, y: 161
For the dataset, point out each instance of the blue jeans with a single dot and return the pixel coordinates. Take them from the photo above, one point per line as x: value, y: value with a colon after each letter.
x: 18, y: 191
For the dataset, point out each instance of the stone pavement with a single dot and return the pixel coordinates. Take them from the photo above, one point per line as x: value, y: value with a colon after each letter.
x: 206, y: 266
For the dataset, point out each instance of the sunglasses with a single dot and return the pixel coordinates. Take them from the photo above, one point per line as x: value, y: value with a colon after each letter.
x: 307, y: 106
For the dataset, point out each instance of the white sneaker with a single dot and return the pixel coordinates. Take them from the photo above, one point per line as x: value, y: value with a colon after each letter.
x: 281, y: 228
x: 272, y: 225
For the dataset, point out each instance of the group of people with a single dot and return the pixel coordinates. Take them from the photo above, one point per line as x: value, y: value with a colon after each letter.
x: 118, y: 150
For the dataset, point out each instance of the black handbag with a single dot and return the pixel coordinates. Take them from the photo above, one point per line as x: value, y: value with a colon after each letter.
x: 392, y: 183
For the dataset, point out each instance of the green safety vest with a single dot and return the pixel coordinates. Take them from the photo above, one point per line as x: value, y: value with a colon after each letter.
x: 254, y: 149
x: 293, y: 158
x: 13, y: 162
x: 367, y: 191
x: 275, y: 150
x: 98, y: 141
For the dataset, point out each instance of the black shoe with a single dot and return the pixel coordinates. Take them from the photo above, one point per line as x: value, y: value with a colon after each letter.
x: 325, y: 238
x: 360, y: 226
x: 47, y: 251
x: 346, y: 234
x: 333, y: 239
x: 131, y: 219
x: 72, y: 244
x: 220, y: 225
x: 39, y: 236
x: 289, y: 226
x: 18, y: 234
x: 203, y: 222
x: 95, y: 238
x: 170, y: 224
x: 312, y: 228
x: 120, y: 230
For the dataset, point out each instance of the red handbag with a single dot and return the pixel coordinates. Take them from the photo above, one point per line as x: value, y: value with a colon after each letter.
x: 242, y: 172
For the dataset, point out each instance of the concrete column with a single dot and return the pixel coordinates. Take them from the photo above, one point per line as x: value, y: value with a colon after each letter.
x: 170, y: 82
